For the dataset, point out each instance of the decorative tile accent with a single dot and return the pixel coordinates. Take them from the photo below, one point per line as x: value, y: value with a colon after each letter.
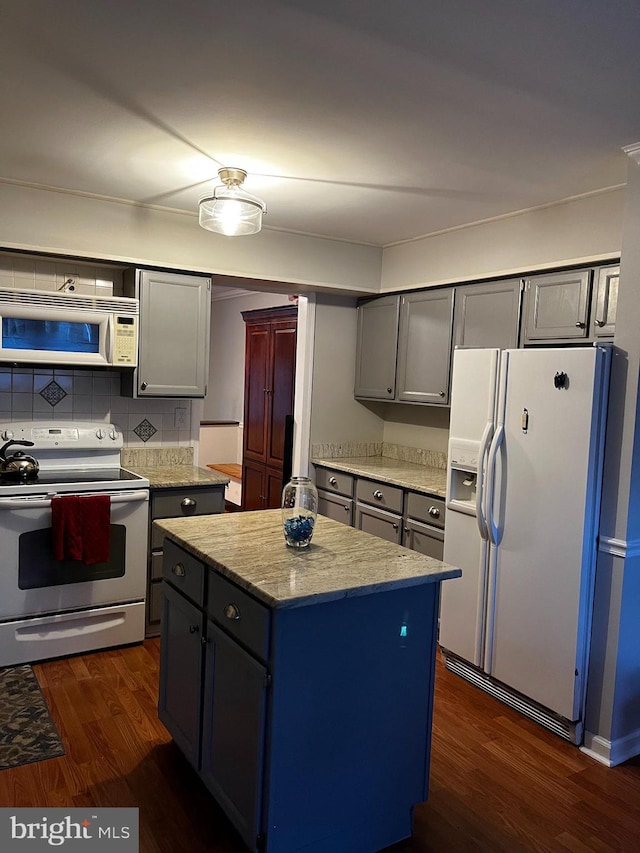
x: 145, y: 430
x: 53, y: 393
x: 346, y: 449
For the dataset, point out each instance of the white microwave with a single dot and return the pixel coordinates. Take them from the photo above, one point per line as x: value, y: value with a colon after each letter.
x: 40, y: 327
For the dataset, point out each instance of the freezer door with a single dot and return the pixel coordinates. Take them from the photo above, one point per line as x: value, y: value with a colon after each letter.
x: 545, y: 510
x: 463, y: 603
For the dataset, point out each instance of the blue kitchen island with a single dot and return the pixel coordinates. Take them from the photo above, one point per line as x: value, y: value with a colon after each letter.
x: 299, y: 682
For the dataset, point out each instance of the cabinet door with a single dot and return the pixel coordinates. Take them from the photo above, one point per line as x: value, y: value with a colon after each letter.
x: 376, y: 348
x: 488, y: 314
x: 379, y: 522
x: 423, y: 539
x: 557, y: 306
x: 173, y: 355
x: 424, y: 347
x: 280, y: 388
x: 233, y: 731
x: 605, y: 301
x: 180, y: 694
x: 256, y: 398
x: 335, y: 507
x: 254, y: 492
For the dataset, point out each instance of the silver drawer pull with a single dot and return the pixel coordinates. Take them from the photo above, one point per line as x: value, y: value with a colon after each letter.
x: 346, y: 508
x: 178, y: 570
x: 599, y: 323
x: 434, y: 512
x: 232, y: 611
x: 581, y: 325
x: 187, y: 503
x: 333, y: 481
x: 395, y: 526
x: 378, y: 495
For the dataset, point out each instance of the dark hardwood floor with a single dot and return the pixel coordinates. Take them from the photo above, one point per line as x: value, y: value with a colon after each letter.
x: 499, y: 782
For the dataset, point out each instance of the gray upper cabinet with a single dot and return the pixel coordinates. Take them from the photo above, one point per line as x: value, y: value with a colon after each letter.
x: 487, y: 314
x: 557, y: 306
x: 173, y: 353
x: 605, y: 301
x: 424, y: 346
x: 376, y: 348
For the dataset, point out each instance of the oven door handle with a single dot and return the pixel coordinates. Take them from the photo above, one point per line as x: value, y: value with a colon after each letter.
x: 37, y: 502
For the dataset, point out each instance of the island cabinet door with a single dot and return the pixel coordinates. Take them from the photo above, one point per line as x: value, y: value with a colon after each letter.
x: 181, y: 660
x: 235, y: 686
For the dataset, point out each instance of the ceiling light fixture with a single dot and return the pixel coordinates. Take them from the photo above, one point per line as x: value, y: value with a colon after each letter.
x: 230, y: 210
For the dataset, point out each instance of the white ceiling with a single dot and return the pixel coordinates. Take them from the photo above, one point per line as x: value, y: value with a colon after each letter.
x: 363, y: 120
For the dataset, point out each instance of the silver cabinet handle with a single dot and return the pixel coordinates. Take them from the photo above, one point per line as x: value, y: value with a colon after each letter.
x: 406, y: 529
x: 434, y: 512
x: 346, y: 509
x: 395, y: 526
x: 178, y: 570
x: 187, y: 503
x: 442, y: 394
x: 333, y: 481
x: 143, y: 386
x: 232, y: 611
x: 378, y: 495
x: 600, y: 323
x: 193, y: 629
x: 580, y: 325
x: 389, y: 390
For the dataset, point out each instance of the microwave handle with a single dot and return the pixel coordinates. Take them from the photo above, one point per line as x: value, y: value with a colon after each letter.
x: 109, y: 341
x: 38, y: 503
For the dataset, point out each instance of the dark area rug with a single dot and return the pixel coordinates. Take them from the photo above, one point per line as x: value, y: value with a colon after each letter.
x: 27, y: 732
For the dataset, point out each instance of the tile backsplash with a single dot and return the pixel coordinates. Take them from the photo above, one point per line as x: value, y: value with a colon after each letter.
x: 27, y: 271
x: 92, y: 395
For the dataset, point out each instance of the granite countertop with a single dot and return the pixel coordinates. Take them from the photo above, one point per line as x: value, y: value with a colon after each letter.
x: 408, y: 475
x: 340, y: 562
x: 176, y: 476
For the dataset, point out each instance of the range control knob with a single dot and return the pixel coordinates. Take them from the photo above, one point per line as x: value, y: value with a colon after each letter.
x: 7, y: 434
x: 100, y: 434
x: 113, y: 434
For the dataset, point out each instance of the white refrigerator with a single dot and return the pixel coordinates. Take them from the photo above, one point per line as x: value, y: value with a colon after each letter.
x: 523, y: 501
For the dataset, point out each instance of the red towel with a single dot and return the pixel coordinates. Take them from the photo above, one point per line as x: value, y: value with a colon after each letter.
x: 80, y: 528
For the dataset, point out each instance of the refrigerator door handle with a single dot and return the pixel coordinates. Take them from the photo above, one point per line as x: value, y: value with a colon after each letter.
x: 495, y: 534
x: 481, y: 479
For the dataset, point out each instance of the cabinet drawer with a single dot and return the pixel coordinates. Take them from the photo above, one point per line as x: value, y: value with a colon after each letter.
x: 379, y: 494
x: 239, y: 614
x: 184, y: 572
x: 424, y: 539
x: 426, y: 508
x: 335, y: 507
x: 379, y: 522
x: 174, y: 504
x: 334, y: 481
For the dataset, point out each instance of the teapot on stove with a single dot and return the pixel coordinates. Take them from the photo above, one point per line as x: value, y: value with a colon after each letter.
x: 18, y: 465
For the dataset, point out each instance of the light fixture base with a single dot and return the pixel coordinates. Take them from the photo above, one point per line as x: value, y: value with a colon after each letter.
x: 232, y: 177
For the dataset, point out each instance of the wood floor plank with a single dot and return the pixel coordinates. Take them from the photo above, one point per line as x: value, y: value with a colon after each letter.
x: 499, y: 783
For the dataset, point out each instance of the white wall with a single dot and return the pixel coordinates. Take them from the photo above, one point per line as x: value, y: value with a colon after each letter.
x: 335, y: 416
x: 36, y: 219
x: 225, y: 393
x: 582, y: 230
x: 425, y: 427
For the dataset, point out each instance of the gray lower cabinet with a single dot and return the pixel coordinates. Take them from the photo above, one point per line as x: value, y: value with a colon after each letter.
x: 181, y: 657
x: 487, y: 314
x: 376, y: 347
x: 172, y: 503
x: 337, y: 507
x: 424, y: 346
x: 233, y: 730
x: 379, y: 522
x: 173, y: 349
x: 424, y: 524
x: 298, y: 720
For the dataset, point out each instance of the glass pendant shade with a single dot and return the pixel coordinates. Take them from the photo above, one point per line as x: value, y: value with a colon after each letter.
x: 229, y: 210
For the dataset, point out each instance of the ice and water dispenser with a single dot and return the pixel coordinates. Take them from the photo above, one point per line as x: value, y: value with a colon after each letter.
x: 463, y: 475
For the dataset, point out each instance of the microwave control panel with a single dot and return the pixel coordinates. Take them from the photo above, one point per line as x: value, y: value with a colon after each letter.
x: 125, y: 340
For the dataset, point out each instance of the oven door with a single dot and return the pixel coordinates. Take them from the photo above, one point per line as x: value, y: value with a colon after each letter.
x: 32, y: 582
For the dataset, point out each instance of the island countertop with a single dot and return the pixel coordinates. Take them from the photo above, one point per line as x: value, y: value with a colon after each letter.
x: 341, y: 562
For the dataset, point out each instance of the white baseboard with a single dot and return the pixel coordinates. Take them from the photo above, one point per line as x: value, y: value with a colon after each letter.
x: 611, y: 753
